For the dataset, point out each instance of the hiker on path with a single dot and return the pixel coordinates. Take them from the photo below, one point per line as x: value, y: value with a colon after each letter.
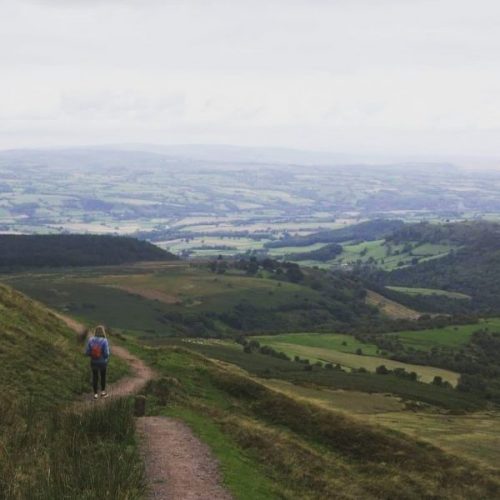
x: 98, y: 351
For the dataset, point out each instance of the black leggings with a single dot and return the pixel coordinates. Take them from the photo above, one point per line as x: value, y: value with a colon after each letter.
x: 95, y: 377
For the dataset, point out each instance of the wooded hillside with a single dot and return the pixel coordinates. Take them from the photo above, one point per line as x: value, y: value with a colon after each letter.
x: 75, y: 250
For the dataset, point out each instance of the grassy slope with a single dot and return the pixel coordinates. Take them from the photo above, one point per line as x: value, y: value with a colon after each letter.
x: 38, y: 354
x: 389, y: 307
x: 191, y: 300
x: 96, y: 299
x: 295, y: 449
x: 475, y: 436
x: 46, y: 453
x: 428, y: 291
x: 449, y: 336
x: 272, y: 368
x: 199, y: 289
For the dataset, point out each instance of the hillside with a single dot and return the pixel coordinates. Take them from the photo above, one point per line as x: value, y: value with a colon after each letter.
x: 473, y: 269
x: 309, y: 449
x: 35, y: 349
x: 274, y: 445
x: 24, y: 251
x: 47, y: 449
x: 219, y: 299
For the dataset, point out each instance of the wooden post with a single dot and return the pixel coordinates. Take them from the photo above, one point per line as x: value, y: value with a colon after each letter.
x: 139, y: 406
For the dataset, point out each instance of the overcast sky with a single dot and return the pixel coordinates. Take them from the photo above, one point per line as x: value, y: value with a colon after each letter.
x: 352, y: 76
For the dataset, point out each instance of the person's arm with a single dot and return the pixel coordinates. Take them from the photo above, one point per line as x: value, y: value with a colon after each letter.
x: 107, y: 351
x: 87, y: 350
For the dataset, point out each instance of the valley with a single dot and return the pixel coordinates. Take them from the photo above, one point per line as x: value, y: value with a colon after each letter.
x: 272, y: 314
x: 249, y: 346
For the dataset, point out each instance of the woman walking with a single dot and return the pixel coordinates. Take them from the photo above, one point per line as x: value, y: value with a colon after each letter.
x: 98, y: 351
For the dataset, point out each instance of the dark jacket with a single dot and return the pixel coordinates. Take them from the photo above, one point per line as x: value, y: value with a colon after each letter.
x: 101, y: 342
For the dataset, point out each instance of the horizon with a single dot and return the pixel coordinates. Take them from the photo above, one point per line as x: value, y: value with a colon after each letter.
x: 304, y: 157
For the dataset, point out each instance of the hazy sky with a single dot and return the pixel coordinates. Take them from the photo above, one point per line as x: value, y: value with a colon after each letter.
x: 354, y: 76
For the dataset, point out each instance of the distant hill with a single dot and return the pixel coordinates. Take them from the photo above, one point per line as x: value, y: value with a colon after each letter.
x: 157, y: 155
x: 365, y: 231
x: 19, y: 251
x: 471, y: 233
x: 472, y: 269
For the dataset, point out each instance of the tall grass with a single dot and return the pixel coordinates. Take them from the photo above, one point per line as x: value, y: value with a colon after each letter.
x: 72, y: 455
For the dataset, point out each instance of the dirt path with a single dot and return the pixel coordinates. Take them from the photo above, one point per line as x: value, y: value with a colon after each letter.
x: 178, y: 465
x: 141, y: 373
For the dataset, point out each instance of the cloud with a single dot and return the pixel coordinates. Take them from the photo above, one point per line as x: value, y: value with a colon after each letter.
x: 343, y: 75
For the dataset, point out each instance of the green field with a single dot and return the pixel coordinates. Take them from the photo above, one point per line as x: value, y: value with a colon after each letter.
x: 428, y: 291
x: 349, y: 401
x: 276, y: 252
x: 211, y: 245
x: 339, y: 342
x: 355, y: 361
x: 389, y: 256
x: 449, y: 336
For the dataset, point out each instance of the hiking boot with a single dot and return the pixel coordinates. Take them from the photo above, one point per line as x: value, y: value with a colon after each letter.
x: 104, y: 394
x: 96, y: 396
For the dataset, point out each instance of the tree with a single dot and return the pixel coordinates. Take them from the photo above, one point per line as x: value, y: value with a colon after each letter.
x: 382, y: 370
x: 253, y: 266
x: 294, y: 274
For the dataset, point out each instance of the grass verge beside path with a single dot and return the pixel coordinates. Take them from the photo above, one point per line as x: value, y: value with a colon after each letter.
x: 241, y: 473
x: 77, y: 455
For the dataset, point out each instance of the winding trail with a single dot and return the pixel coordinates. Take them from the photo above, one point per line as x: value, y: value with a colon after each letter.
x: 141, y: 373
x: 178, y: 465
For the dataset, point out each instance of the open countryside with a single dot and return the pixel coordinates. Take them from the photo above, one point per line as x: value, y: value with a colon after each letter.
x: 249, y: 250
